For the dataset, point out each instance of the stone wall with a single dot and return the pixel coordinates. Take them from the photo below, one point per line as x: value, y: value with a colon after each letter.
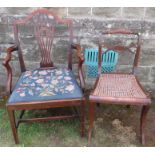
x: 88, y: 23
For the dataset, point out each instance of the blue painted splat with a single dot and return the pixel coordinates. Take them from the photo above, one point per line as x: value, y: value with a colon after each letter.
x: 109, y: 61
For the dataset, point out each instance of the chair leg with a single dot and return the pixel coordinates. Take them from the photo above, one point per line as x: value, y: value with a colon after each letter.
x: 82, y: 107
x: 13, y: 125
x: 91, y: 120
x: 144, y: 112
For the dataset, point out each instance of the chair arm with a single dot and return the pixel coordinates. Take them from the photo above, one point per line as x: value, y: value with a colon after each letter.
x: 8, y: 67
x: 80, y: 56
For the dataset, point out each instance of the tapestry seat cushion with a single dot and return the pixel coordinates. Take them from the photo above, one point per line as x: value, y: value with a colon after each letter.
x: 47, y: 84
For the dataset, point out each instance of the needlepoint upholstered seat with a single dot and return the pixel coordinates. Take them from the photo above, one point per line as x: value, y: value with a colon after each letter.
x: 49, y: 84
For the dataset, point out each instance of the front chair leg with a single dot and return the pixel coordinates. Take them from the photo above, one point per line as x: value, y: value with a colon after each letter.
x: 13, y: 125
x: 82, y: 107
x: 144, y: 112
x: 91, y: 120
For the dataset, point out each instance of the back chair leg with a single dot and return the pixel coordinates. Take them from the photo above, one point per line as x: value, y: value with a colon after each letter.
x: 144, y: 112
x: 21, y: 114
x: 13, y: 125
x: 20, y: 117
x: 91, y: 120
x: 82, y: 107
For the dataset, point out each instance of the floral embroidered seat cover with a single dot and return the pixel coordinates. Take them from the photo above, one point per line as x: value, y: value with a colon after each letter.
x: 46, y: 84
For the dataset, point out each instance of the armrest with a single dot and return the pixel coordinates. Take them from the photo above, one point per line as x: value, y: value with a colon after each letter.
x: 8, y: 67
x: 80, y: 56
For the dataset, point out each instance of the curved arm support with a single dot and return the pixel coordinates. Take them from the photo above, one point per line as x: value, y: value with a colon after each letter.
x: 80, y: 63
x: 8, y: 67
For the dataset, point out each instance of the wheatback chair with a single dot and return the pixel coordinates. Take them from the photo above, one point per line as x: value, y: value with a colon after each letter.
x: 120, y: 88
x: 47, y: 86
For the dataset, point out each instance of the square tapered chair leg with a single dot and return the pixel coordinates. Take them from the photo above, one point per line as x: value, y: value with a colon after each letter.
x: 13, y: 125
x: 144, y: 113
x: 91, y: 121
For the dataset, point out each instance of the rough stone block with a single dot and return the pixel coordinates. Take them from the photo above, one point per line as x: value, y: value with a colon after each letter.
x: 152, y: 75
x: 59, y: 53
x: 124, y: 68
x: 147, y: 57
x: 2, y: 79
x: 90, y: 83
x: 107, y: 12
x: 3, y: 39
x: 15, y: 68
x: 31, y: 52
x: 10, y: 19
x: 2, y: 55
x: 3, y: 32
x: 150, y: 87
x: 143, y: 73
x: 89, y: 42
x: 94, y: 27
x: 3, y: 18
x: 18, y: 10
x: 2, y: 69
x: 150, y: 13
x: 32, y: 65
x: 133, y: 25
x: 3, y: 10
x: 79, y: 11
x: 3, y: 29
x: 9, y: 38
x: 148, y: 44
x: 83, y: 28
x: 59, y: 11
x: 133, y: 12
x: 149, y: 27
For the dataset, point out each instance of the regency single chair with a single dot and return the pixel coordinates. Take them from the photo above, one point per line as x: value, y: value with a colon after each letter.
x: 47, y: 86
x: 119, y: 88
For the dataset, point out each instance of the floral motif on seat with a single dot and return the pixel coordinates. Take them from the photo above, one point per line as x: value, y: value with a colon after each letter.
x: 46, y: 83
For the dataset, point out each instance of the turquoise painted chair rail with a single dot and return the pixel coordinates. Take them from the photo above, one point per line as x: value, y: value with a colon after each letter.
x: 109, y: 61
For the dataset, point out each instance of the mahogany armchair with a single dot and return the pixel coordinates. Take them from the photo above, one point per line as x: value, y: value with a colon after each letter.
x: 120, y: 88
x: 47, y: 86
